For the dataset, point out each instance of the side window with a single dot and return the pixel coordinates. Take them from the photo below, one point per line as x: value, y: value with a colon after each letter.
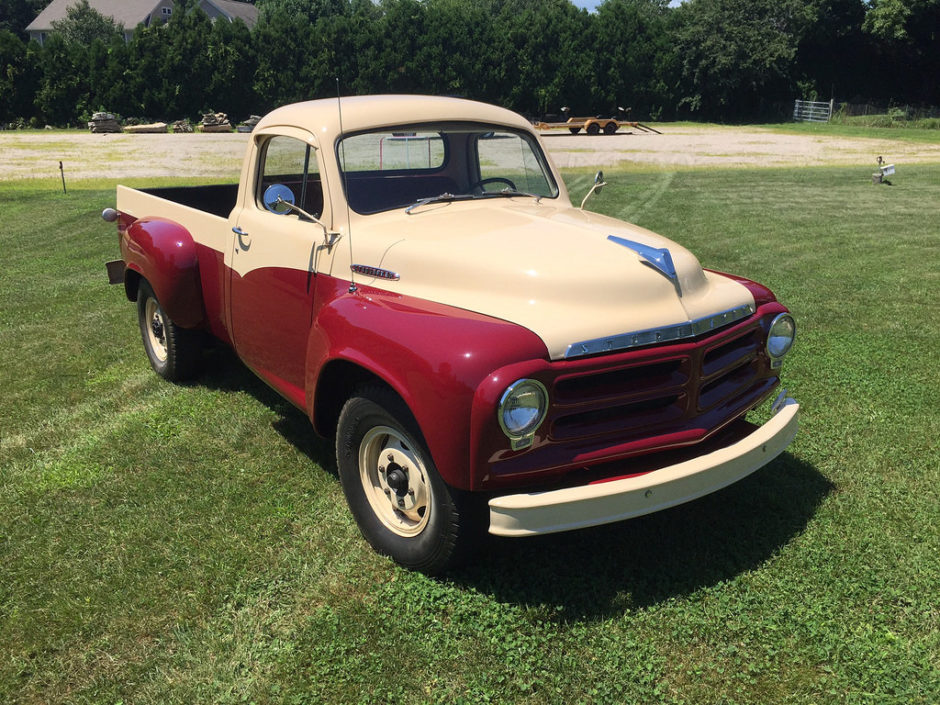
x: 291, y: 163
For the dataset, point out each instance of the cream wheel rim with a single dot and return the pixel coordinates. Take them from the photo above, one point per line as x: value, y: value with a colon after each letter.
x: 395, y: 481
x: 156, y: 328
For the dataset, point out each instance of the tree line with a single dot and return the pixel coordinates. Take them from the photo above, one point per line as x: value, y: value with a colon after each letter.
x: 731, y: 60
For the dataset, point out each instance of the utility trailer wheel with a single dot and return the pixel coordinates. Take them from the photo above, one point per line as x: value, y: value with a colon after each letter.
x: 173, y: 352
x: 610, y: 128
x: 574, y: 130
x: 593, y: 129
x: 402, y: 506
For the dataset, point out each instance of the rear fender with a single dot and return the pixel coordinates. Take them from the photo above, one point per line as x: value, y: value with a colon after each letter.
x: 164, y: 253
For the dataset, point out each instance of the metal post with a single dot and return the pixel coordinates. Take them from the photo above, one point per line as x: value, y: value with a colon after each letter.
x: 62, y: 171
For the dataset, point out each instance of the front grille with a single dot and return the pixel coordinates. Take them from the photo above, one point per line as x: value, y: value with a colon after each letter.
x: 700, y: 385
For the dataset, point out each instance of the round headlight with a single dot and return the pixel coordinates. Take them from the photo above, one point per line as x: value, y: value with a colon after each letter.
x: 522, y: 408
x: 781, y: 334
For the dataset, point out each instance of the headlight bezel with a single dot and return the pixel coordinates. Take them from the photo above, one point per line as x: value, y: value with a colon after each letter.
x: 773, y: 344
x: 522, y: 436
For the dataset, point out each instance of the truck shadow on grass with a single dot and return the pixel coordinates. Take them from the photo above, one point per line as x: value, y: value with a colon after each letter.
x: 224, y: 372
x: 601, y: 572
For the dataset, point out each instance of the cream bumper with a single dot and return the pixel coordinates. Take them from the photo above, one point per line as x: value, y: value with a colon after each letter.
x: 590, y: 505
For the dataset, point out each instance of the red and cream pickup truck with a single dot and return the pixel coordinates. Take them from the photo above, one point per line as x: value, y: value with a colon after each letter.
x: 410, y: 272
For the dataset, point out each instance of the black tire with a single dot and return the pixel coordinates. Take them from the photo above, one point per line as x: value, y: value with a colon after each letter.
x: 174, y: 352
x: 402, y: 506
x: 593, y: 129
x: 610, y: 128
x: 574, y: 130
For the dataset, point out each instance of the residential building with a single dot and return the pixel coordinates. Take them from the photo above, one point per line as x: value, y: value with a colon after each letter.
x: 131, y: 13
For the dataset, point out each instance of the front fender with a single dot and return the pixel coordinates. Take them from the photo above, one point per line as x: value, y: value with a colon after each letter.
x: 433, y: 356
x: 164, y: 253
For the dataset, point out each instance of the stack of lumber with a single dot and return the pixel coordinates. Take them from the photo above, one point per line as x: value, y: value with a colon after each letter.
x: 152, y: 128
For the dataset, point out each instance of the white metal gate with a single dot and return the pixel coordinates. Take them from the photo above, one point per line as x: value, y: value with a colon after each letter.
x: 812, y: 111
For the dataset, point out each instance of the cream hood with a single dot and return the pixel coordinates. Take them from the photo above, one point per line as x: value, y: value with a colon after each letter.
x: 549, y: 268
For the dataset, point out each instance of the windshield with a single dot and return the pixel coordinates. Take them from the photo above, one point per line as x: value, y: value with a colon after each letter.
x: 399, y: 167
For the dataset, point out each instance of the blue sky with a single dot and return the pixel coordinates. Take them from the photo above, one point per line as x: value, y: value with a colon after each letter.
x: 591, y: 4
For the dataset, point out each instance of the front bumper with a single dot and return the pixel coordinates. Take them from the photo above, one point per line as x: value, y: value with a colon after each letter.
x: 532, y: 513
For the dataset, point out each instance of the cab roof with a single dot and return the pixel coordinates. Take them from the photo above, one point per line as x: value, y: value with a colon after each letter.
x: 359, y: 113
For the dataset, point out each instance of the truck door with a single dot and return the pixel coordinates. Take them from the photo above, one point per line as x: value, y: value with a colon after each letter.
x: 274, y: 262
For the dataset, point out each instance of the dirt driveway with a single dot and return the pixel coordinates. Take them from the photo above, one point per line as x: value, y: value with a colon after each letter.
x: 37, y: 155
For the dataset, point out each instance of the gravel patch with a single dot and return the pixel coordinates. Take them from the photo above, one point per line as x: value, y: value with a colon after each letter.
x: 219, y: 156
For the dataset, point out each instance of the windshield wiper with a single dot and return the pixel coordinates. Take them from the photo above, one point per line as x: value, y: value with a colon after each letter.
x: 439, y: 198
x: 513, y: 192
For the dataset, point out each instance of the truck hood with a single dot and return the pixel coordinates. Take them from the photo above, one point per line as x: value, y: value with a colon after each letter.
x: 579, y: 280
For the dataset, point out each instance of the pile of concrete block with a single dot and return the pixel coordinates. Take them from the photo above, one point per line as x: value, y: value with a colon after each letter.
x: 216, y: 122
x: 103, y: 122
x: 249, y: 124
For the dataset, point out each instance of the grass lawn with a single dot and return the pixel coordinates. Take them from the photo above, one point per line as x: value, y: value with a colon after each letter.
x: 190, y: 544
x: 901, y: 132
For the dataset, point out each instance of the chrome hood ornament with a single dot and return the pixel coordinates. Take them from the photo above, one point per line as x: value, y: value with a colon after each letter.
x: 657, y: 257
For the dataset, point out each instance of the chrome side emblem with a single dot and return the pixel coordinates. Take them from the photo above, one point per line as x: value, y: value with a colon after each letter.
x: 376, y: 272
x: 657, y: 257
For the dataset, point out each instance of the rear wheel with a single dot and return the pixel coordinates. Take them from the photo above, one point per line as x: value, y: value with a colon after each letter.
x: 173, y: 351
x: 593, y: 129
x: 610, y: 128
x: 402, y: 506
x: 574, y: 130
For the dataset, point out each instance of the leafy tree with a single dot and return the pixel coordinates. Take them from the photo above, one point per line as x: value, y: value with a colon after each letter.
x: 63, y: 81
x: 83, y: 24
x: 144, y: 77
x: 186, y: 70
x: 636, y: 59
x: 908, y: 44
x: 737, y: 55
x: 107, y: 77
x: 832, y: 56
x: 231, y: 58
x: 17, y: 77
x: 280, y: 41
x: 15, y: 15
x: 542, y: 55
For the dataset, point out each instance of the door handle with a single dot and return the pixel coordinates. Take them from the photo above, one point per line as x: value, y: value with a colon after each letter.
x: 241, y: 234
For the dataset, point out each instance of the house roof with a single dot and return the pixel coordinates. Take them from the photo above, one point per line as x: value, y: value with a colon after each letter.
x: 244, y: 11
x: 129, y: 13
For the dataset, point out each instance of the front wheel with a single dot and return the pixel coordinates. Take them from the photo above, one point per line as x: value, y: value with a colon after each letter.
x: 173, y: 351
x: 402, y: 506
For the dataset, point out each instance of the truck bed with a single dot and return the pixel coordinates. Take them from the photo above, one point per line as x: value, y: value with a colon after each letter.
x: 217, y: 199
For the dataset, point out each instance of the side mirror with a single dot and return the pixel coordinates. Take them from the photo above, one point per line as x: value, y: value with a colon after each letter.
x: 278, y: 199
x: 599, y: 183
